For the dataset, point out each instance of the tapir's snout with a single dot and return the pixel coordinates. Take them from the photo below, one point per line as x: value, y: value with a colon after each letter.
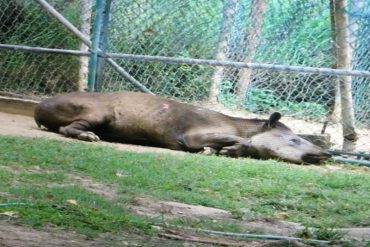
x: 315, y: 158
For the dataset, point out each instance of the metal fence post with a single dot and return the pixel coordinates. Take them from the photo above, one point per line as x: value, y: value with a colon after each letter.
x: 103, y: 44
x: 99, y: 9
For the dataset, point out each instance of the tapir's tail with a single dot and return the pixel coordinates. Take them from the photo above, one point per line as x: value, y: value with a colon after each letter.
x: 38, y: 124
x: 36, y: 115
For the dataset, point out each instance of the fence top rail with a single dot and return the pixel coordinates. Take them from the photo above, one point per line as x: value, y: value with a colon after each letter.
x: 226, y: 63
x: 210, y: 62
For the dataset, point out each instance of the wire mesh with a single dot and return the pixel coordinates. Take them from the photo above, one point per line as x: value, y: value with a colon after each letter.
x: 289, y: 32
x: 23, y: 22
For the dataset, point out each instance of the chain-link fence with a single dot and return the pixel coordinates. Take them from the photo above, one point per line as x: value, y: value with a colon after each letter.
x: 25, y: 23
x: 285, y: 32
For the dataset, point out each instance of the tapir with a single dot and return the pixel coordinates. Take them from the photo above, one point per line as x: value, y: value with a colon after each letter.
x: 139, y: 118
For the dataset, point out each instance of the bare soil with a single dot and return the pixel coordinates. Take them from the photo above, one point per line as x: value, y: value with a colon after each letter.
x: 12, y: 235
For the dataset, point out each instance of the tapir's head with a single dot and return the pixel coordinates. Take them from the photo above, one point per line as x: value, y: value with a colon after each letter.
x: 277, y: 141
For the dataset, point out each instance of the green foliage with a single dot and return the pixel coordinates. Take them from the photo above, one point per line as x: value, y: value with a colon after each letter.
x: 324, y: 233
x: 34, y: 73
x: 158, y: 30
x: 263, y: 100
x: 328, y: 234
x: 227, y: 97
x: 307, y: 109
x: 296, y: 33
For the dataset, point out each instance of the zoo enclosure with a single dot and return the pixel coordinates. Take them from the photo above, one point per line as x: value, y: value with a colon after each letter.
x: 169, y: 46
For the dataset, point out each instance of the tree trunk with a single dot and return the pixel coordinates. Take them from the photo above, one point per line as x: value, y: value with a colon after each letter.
x: 343, y: 56
x: 85, y: 20
x: 228, y: 20
x: 256, y: 15
x: 336, y: 108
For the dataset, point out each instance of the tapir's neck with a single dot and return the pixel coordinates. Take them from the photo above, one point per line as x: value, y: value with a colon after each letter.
x: 247, y: 127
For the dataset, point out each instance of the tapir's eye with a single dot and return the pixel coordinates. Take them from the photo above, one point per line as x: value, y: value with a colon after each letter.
x: 296, y: 141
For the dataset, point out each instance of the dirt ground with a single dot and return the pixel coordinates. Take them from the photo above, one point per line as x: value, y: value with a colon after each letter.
x: 12, y: 235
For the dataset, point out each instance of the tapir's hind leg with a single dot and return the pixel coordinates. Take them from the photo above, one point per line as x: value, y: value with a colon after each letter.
x: 79, y: 129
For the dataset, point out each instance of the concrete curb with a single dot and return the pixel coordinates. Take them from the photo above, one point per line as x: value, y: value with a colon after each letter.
x: 18, y: 106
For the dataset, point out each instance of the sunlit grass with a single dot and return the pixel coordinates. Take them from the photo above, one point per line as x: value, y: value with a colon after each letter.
x: 314, y: 197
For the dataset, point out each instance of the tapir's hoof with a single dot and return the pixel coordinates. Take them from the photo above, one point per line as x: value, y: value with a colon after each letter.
x: 235, y: 150
x: 88, y: 136
x: 208, y: 151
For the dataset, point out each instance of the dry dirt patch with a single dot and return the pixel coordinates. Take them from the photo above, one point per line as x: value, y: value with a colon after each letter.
x: 170, y: 209
x: 12, y: 235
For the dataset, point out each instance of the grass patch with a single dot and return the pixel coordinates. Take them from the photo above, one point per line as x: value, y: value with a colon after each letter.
x: 322, y: 234
x: 74, y: 208
x: 314, y: 197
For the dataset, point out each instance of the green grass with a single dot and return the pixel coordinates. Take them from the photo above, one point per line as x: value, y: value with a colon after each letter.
x: 314, y: 197
x: 90, y: 215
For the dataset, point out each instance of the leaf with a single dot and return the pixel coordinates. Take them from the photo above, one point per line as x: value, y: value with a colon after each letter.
x: 282, y: 216
x: 49, y: 195
x: 73, y: 202
x: 121, y: 174
x: 11, y: 214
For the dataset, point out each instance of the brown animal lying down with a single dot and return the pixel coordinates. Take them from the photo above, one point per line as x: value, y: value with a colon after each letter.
x: 145, y: 119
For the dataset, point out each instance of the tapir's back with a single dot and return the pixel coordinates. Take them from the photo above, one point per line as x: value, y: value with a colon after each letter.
x: 140, y: 116
x: 131, y: 116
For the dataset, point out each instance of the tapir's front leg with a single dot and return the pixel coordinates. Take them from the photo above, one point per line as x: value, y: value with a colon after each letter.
x: 225, y: 144
x: 79, y: 129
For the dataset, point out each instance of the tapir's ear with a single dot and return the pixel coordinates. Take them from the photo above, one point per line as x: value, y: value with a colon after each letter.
x: 274, y: 117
